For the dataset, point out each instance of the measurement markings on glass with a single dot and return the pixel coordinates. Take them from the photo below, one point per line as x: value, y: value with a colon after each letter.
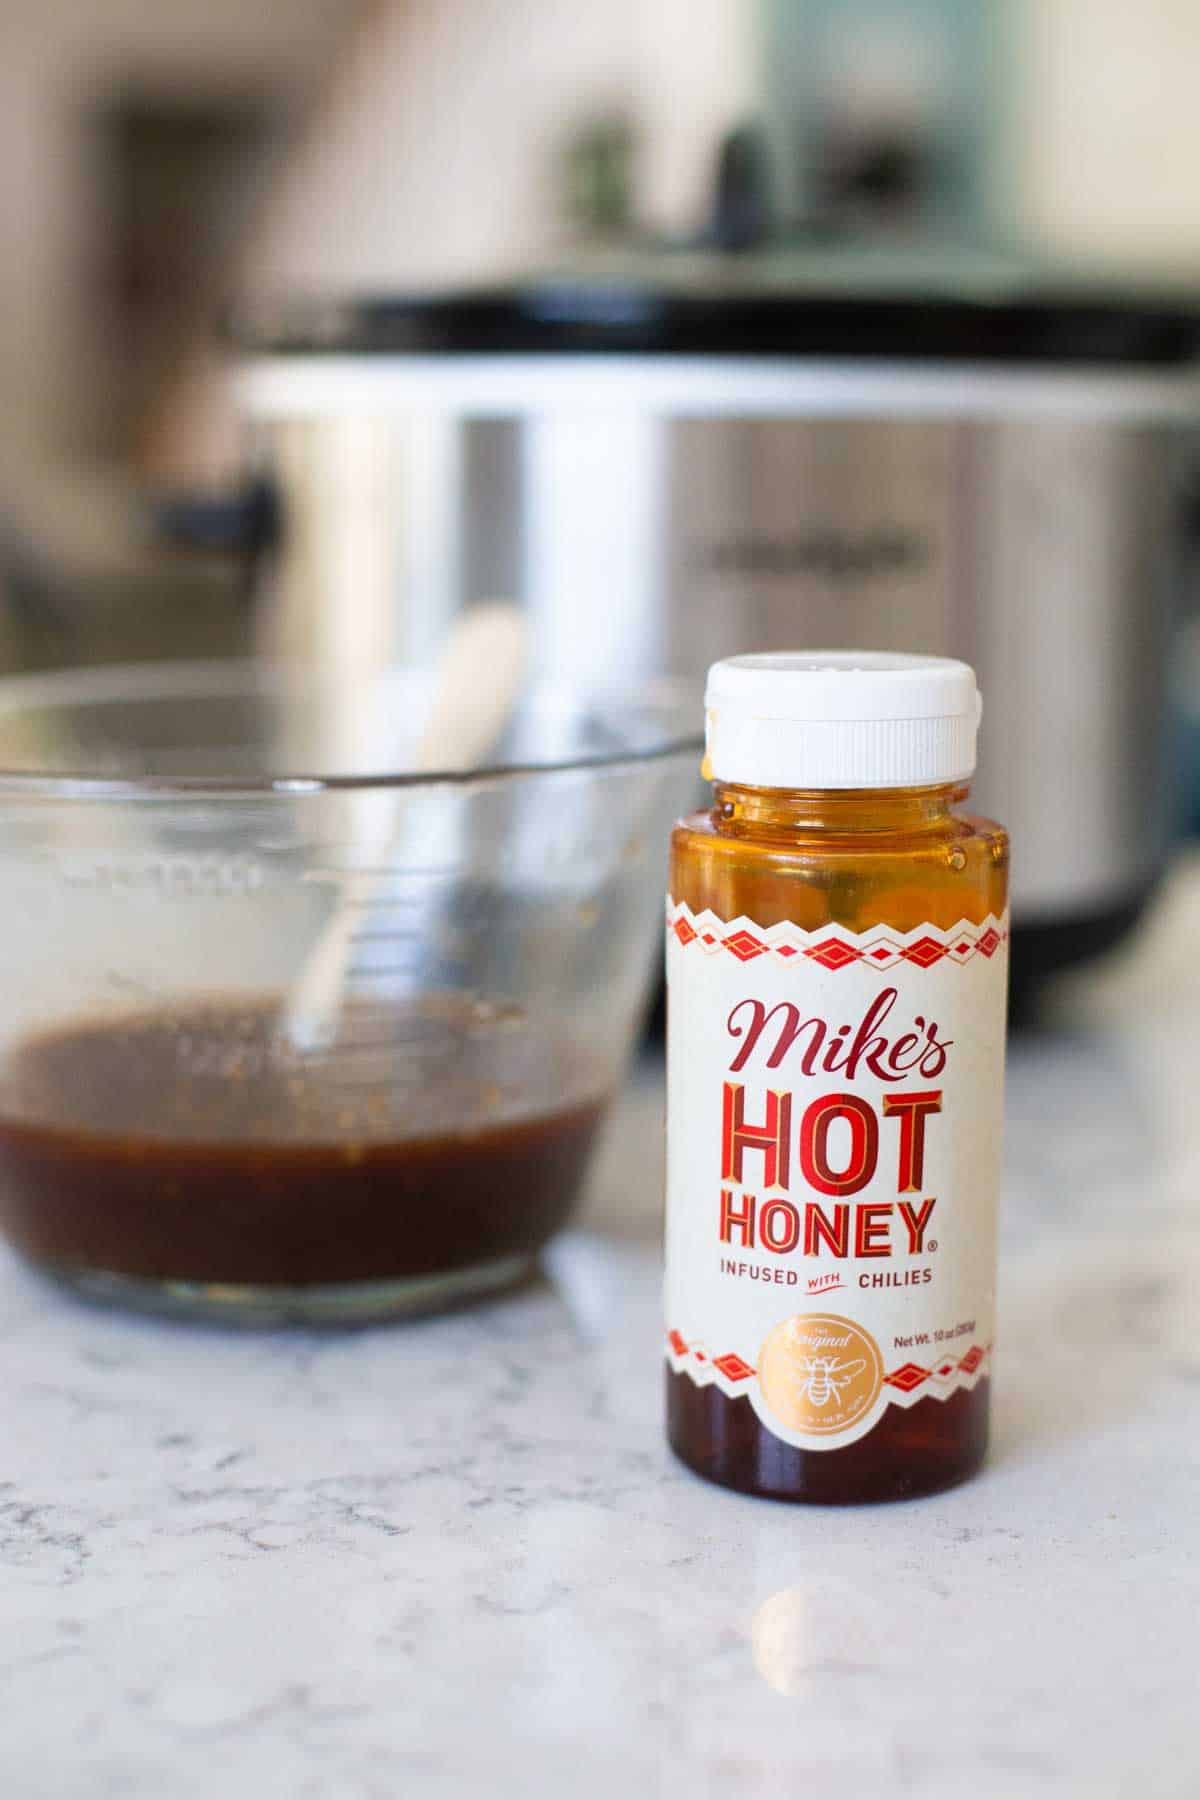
x: 418, y: 1041
x: 378, y: 874
x: 163, y: 876
x: 383, y: 936
x: 384, y: 903
x: 361, y: 975
x: 381, y: 950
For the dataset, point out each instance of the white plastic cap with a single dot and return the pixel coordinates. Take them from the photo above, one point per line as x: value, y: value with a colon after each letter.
x: 841, y: 719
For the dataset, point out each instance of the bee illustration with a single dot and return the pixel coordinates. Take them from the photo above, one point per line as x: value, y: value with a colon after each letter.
x: 822, y: 1378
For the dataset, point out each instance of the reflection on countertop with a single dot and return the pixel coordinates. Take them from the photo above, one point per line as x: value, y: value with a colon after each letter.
x: 456, y: 1558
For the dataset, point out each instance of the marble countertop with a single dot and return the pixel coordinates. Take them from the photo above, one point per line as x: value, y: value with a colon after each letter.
x: 454, y: 1557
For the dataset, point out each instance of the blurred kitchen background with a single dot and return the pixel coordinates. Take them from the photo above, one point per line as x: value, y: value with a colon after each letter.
x: 694, y: 326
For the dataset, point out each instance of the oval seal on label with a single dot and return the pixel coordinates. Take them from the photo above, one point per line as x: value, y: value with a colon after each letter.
x: 820, y: 1373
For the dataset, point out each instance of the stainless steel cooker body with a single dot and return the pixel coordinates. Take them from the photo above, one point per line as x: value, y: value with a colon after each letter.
x: 654, y: 513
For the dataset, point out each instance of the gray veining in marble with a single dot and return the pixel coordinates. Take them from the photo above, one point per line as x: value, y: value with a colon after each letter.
x: 454, y: 1558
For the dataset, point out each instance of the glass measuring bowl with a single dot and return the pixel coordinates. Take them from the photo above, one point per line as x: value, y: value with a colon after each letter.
x: 174, y: 842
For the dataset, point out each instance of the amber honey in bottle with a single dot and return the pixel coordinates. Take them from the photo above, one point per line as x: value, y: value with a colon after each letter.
x: 837, y: 950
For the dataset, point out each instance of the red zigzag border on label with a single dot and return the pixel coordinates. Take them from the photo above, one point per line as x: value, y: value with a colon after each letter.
x: 941, y: 1379
x: 832, y: 948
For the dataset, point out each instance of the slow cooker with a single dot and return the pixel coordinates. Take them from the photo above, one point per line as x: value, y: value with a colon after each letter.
x: 669, y: 462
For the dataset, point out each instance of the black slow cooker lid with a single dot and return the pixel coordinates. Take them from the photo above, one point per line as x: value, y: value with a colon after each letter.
x: 924, y: 307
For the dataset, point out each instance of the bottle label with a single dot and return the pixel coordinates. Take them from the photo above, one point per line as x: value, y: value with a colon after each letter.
x: 833, y: 1146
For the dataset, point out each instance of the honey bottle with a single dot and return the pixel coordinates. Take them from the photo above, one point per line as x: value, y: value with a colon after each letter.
x: 837, y: 941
